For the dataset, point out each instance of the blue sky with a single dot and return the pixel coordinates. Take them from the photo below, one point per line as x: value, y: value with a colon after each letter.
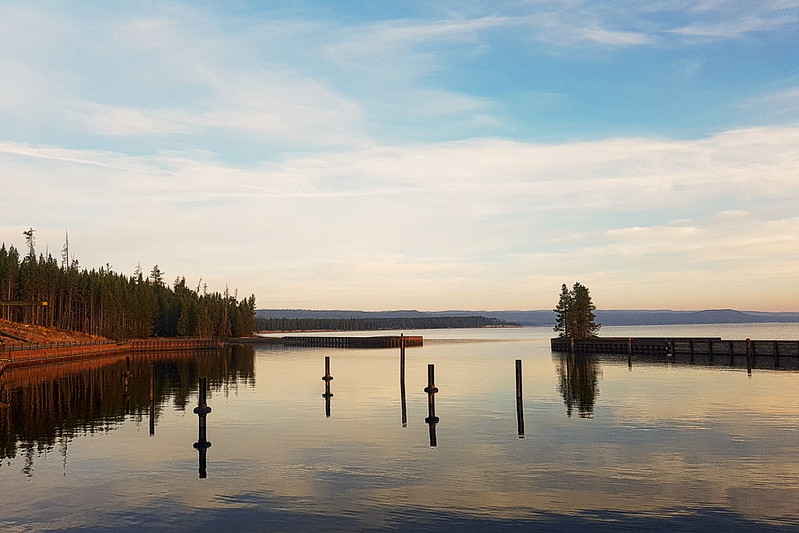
x: 413, y: 155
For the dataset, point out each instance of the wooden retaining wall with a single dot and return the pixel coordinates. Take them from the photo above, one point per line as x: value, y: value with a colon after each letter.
x: 386, y: 341
x: 40, y: 354
x: 679, y: 345
x: 695, y: 349
x: 169, y: 345
x: 622, y: 345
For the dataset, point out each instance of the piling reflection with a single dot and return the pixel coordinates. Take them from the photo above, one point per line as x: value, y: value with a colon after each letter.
x: 126, y: 375
x: 578, y: 383
x: 202, y: 411
x: 152, y: 400
x: 47, y: 406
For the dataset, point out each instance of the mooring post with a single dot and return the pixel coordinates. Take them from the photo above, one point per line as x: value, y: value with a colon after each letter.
x: 749, y: 357
x: 519, y: 401
x: 431, y: 391
x: 327, y: 378
x: 402, y: 358
x: 402, y: 381
x: 202, y: 443
x: 431, y: 380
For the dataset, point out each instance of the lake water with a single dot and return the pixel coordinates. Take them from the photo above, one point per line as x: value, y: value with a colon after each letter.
x: 607, y: 444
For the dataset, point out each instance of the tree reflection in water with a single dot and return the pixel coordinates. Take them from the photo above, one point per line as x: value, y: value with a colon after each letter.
x: 45, y: 406
x: 578, y: 383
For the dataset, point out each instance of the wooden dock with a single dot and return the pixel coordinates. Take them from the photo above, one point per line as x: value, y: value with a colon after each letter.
x: 383, y: 341
x: 709, y: 349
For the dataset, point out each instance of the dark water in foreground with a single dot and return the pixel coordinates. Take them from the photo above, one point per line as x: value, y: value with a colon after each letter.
x: 606, y: 445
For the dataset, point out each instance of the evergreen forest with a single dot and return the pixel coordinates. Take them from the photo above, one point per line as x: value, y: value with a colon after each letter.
x: 103, y: 302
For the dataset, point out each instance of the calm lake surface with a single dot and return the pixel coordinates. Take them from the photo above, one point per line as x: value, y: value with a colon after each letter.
x: 608, y: 443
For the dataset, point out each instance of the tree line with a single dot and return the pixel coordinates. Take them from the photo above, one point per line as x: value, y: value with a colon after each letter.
x: 371, y: 324
x: 106, y: 303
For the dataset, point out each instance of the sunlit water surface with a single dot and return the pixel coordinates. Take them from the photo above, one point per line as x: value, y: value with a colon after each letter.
x: 607, y: 443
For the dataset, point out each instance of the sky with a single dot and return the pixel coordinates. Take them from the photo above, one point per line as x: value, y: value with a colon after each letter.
x: 412, y: 155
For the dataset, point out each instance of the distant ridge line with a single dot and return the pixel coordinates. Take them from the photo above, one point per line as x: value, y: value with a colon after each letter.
x: 547, y: 317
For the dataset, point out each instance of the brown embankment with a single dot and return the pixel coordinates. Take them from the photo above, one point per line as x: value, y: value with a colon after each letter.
x: 19, y: 334
x: 28, y: 345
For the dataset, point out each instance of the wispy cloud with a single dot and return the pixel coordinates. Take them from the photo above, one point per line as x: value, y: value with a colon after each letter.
x: 734, y: 28
x: 780, y: 106
x: 330, y: 159
x: 725, y: 19
x: 457, y: 216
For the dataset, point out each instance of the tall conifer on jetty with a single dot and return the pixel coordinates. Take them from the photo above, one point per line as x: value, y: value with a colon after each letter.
x: 574, y: 314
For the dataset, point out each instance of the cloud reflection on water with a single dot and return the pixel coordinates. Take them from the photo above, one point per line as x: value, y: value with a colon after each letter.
x: 667, y: 447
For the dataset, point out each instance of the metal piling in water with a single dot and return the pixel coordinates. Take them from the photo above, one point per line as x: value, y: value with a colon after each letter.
x: 402, y: 381
x: 431, y: 391
x: 327, y: 378
x: 519, y: 404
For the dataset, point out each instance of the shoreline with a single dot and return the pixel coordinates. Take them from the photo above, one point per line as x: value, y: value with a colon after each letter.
x: 25, y: 355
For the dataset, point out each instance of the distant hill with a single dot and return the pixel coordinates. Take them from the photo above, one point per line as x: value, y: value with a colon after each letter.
x: 375, y: 323
x: 547, y: 317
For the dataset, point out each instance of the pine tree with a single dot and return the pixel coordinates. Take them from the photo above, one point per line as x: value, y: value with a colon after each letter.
x: 583, y: 320
x: 574, y: 314
x: 562, y: 313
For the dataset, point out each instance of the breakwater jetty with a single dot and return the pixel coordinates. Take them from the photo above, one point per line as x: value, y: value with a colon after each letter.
x: 382, y: 341
x: 778, y: 353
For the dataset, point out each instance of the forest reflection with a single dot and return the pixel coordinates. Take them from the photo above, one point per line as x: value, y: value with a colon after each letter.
x: 578, y: 382
x: 41, y: 407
